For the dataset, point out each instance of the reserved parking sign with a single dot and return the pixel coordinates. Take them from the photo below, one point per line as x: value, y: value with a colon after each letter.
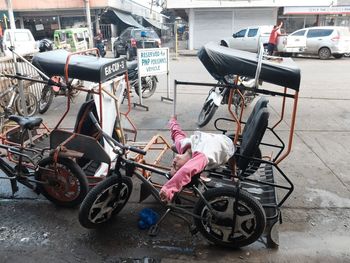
x: 153, y: 61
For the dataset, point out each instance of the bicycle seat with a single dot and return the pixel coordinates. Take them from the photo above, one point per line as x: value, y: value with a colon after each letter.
x: 28, y: 123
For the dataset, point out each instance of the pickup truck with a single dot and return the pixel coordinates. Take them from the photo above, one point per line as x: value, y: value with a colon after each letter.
x: 249, y: 39
x: 22, y: 40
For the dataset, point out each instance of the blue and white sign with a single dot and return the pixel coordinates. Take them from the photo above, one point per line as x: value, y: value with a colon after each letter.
x: 153, y: 61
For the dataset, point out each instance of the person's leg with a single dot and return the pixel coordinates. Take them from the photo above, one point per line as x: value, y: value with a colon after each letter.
x: 270, y: 49
x: 274, y: 49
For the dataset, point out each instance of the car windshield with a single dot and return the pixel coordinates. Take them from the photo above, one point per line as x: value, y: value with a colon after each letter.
x: 22, y: 36
x: 149, y: 33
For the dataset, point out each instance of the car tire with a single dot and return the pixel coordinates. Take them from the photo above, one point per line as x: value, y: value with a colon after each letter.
x: 116, y: 54
x: 337, y: 56
x: 324, y: 53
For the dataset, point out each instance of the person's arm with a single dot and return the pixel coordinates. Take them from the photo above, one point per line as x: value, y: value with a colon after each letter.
x: 176, y: 133
x: 183, y: 175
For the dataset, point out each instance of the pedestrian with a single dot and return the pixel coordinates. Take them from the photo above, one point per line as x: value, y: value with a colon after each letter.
x: 195, y: 153
x: 99, y: 42
x: 276, y: 31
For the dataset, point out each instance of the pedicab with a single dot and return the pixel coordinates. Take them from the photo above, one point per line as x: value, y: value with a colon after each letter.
x: 57, y: 162
x: 235, y: 204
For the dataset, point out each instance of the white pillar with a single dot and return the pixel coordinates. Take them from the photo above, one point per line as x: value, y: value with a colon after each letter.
x: 88, y: 20
x: 190, y: 29
x: 11, y: 16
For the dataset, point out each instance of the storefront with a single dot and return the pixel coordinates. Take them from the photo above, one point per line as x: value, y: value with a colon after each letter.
x: 299, y: 17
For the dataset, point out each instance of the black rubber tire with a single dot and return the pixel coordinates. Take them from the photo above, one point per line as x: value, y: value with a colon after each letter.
x: 53, y: 191
x: 116, y: 54
x: 46, y: 99
x: 207, y: 112
x: 148, y: 89
x: 338, y: 56
x: 219, y: 199
x: 31, y: 104
x: 324, y: 53
x: 129, y: 56
x: 98, y: 195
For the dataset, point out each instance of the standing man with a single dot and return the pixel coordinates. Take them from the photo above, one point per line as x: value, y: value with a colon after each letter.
x: 99, y: 43
x: 276, y: 31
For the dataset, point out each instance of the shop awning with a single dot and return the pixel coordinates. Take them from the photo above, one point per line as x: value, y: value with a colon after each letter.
x: 127, y: 19
x: 156, y: 23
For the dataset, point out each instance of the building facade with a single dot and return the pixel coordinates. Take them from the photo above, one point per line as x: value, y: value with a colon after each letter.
x: 213, y: 20
x: 43, y: 17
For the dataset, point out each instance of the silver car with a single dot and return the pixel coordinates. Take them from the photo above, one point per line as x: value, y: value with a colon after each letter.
x: 325, y: 41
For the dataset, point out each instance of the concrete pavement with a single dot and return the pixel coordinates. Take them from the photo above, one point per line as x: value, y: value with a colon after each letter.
x: 316, y: 219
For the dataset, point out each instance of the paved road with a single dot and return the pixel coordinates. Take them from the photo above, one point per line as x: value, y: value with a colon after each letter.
x: 316, y: 219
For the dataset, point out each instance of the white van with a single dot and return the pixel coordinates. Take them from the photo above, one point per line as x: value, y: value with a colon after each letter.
x: 21, y: 39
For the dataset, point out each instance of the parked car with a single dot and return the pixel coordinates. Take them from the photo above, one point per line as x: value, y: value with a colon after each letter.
x: 133, y: 38
x: 249, y: 39
x: 21, y: 39
x: 324, y: 41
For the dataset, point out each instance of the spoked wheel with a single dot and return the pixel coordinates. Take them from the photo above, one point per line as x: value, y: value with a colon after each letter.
x: 207, y: 112
x: 46, y: 98
x: 149, y: 85
x: 63, y: 183
x: 31, y: 104
x: 217, y: 225
x: 116, y: 54
x: 104, y: 201
x: 324, y: 53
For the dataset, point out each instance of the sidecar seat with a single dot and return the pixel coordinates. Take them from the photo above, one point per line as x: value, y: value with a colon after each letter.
x: 251, y: 138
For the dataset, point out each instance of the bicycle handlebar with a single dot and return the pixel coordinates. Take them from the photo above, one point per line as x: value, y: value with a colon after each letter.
x: 112, y: 141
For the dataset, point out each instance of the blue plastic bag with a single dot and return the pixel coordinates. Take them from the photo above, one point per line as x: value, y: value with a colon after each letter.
x: 147, y: 218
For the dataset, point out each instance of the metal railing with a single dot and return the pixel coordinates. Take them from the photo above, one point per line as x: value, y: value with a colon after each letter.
x: 7, y: 65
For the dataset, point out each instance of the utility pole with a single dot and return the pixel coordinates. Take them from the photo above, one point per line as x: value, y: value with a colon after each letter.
x: 88, y: 20
x: 11, y: 16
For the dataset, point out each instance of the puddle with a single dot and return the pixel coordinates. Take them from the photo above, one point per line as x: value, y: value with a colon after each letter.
x: 138, y: 260
x: 182, y: 250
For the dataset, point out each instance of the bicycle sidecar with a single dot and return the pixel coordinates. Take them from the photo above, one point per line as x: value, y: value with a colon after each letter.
x: 254, y: 174
x: 108, y: 78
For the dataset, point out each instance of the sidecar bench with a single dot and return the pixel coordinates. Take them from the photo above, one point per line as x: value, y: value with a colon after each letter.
x: 82, y: 67
x: 222, y: 61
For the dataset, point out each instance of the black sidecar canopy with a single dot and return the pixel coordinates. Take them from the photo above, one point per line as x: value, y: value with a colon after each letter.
x: 83, y: 67
x: 221, y: 61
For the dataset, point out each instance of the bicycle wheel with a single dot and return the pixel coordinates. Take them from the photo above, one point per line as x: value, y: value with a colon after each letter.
x: 207, y: 112
x: 46, y: 98
x: 67, y: 186
x: 31, y: 104
x: 149, y: 85
x: 217, y: 225
x: 104, y: 201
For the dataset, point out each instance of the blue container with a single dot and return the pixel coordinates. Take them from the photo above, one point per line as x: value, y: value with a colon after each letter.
x: 147, y: 218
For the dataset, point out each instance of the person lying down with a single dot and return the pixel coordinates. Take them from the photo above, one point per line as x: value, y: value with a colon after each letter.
x: 195, y: 153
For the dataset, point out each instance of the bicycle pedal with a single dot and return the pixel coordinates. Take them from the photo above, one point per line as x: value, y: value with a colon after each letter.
x: 153, y: 231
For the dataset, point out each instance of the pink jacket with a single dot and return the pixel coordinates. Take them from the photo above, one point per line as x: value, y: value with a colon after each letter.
x: 189, y: 169
x: 198, y: 161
